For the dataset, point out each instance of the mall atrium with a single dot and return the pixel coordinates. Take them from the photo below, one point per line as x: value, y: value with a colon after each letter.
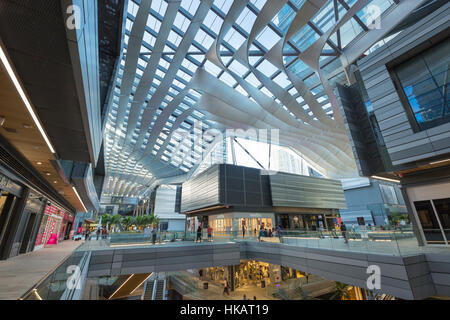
x: 224, y: 150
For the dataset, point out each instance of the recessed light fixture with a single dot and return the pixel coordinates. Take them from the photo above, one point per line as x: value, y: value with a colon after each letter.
x: 39, y: 163
x: 386, y: 179
x: 78, y: 196
x: 27, y: 126
x: 55, y: 182
x: 48, y: 173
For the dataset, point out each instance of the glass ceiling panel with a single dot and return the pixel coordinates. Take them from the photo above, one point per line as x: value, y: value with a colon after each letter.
x: 213, y: 22
x: 246, y: 20
x: 140, y: 128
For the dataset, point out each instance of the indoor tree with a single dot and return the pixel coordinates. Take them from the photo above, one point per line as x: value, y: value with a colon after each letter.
x: 127, y: 222
x: 341, y: 291
x: 115, y: 220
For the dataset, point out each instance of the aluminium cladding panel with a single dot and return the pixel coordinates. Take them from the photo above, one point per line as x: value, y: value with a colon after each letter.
x: 403, y: 144
x: 244, y: 187
x: 289, y: 190
x: 201, y: 191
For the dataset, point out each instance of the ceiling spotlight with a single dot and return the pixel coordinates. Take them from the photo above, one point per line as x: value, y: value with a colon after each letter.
x: 55, y: 182
x: 39, y: 163
x: 48, y: 173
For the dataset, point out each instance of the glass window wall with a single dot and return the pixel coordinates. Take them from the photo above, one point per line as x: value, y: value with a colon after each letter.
x: 424, y: 82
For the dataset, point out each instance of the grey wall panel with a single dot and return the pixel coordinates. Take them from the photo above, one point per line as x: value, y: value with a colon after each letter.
x: 290, y: 190
x: 201, y: 191
x: 403, y: 145
x: 227, y: 185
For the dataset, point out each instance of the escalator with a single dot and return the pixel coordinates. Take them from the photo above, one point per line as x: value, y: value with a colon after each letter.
x: 148, y: 290
x: 155, y: 288
x: 160, y: 289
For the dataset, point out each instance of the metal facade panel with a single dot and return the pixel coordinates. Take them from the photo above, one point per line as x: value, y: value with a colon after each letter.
x: 289, y: 190
x: 201, y: 191
x: 403, y: 144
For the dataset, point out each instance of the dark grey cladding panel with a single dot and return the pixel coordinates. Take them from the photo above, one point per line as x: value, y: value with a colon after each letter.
x: 244, y: 187
x: 289, y: 190
x: 201, y: 191
x: 403, y: 145
x: 226, y: 185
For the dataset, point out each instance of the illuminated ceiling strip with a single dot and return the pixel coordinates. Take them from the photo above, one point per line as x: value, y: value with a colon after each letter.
x: 78, y: 196
x: 387, y: 179
x: 441, y: 161
x: 22, y: 94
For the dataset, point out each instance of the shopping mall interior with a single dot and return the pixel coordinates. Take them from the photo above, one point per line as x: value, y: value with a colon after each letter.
x: 224, y: 150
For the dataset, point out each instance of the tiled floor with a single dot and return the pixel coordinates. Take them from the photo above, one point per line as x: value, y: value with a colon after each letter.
x: 20, y: 273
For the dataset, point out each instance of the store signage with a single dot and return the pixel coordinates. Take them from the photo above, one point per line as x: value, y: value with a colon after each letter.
x: 53, y: 239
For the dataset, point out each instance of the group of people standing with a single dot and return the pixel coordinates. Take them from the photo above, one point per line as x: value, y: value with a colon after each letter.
x: 101, y: 233
x: 264, y: 233
x: 200, y: 231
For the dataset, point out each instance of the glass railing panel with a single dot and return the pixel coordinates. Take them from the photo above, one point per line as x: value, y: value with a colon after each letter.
x: 54, y: 284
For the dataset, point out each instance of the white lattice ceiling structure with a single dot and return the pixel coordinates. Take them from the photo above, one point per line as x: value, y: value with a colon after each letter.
x: 235, y: 64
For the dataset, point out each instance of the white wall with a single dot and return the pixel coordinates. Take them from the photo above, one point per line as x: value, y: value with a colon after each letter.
x: 165, y: 207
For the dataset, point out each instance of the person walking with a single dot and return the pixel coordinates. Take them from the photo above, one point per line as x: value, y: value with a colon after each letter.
x: 261, y: 234
x: 98, y: 232
x: 199, y: 234
x: 210, y: 230
x: 344, y: 232
x: 154, y: 232
x: 226, y: 288
x: 86, y: 235
x: 243, y: 232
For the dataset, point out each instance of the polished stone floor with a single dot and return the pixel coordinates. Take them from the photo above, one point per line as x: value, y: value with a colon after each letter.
x: 19, y: 274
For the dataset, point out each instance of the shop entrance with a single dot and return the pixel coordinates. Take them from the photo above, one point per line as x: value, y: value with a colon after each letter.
x: 253, y: 225
x: 28, y: 229
x: 313, y: 222
x: 7, y: 205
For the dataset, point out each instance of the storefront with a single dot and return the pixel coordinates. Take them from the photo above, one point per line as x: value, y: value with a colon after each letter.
x: 54, y: 226
x: 307, y: 221
x: 250, y: 273
x: 12, y: 195
x: 431, y: 207
x: 228, y: 223
x: 66, y: 231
